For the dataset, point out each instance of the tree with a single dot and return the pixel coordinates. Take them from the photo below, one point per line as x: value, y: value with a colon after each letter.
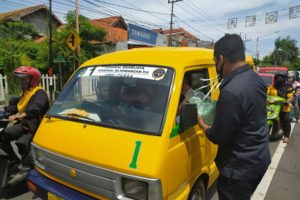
x: 17, y: 30
x: 286, y: 51
x: 15, y: 38
x: 17, y: 46
x: 87, y: 34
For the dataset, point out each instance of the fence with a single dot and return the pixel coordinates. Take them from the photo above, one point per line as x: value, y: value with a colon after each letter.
x: 3, y: 87
x: 46, y: 82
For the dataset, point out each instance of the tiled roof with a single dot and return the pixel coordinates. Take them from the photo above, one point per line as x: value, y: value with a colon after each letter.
x: 112, y: 27
x: 18, y: 14
x: 179, y: 30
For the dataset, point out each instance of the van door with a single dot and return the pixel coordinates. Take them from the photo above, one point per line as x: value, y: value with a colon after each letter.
x: 190, y: 152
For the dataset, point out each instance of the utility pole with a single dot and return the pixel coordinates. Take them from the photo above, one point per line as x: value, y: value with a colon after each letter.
x: 171, y: 23
x: 50, y: 37
x: 246, y: 40
x: 257, y: 41
x: 256, y: 52
x: 50, y: 51
x: 77, y: 22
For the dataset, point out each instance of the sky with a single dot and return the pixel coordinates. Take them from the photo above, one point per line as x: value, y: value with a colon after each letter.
x: 205, y: 19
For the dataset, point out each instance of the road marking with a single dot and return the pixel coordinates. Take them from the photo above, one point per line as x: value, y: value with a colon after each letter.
x: 262, y: 188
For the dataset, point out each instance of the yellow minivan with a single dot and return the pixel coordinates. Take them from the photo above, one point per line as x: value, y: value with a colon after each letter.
x: 250, y: 62
x: 115, y: 130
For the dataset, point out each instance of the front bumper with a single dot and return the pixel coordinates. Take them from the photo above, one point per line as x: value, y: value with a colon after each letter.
x: 45, y: 185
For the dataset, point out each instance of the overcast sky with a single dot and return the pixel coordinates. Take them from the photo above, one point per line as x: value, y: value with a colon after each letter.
x: 205, y: 19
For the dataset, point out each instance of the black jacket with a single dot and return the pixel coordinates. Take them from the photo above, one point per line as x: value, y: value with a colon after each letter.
x: 36, y: 107
x: 240, y: 128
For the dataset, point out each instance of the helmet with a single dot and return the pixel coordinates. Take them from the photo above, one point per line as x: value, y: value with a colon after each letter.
x: 280, y: 74
x: 291, y: 74
x: 29, y: 72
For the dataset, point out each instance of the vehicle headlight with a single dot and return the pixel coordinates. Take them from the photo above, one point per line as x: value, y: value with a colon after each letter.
x: 272, y: 109
x: 135, y: 189
x: 39, y: 157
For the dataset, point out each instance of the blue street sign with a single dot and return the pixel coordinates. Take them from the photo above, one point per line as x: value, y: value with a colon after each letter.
x: 141, y: 35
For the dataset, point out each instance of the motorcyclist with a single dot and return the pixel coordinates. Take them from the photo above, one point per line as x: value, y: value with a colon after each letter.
x: 284, y: 90
x: 26, y: 113
x: 292, y: 80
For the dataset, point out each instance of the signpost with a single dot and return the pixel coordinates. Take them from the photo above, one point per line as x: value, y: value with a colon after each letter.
x: 72, y: 41
x: 60, y: 60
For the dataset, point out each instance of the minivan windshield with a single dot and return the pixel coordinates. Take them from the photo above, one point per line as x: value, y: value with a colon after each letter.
x: 128, y: 97
x: 267, y: 80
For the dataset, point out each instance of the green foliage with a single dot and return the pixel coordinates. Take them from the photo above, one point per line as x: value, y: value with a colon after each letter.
x: 17, y: 47
x: 87, y: 33
x: 284, y: 54
x: 17, y: 30
x: 286, y: 50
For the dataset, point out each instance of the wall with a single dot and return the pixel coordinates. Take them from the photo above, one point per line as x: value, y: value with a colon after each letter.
x: 39, y: 20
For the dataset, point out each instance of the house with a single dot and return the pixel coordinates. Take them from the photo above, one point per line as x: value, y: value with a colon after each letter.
x: 35, y: 15
x: 180, y: 37
x: 116, y: 32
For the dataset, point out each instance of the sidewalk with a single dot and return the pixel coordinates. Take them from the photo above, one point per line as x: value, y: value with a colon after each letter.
x: 285, y: 184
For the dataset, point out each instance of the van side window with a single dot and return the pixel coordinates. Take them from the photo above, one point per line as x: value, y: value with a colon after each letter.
x: 199, y: 79
x: 193, y: 80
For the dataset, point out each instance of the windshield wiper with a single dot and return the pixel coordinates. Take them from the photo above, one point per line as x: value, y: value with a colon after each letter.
x: 78, y: 115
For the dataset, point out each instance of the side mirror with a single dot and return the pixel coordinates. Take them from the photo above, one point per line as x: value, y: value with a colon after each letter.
x: 188, y: 116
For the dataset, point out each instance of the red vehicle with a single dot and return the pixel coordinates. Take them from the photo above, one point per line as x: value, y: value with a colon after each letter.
x: 268, y: 78
x: 273, y: 69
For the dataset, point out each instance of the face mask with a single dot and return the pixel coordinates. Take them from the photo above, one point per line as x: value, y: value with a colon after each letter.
x: 220, y: 71
x: 24, y: 85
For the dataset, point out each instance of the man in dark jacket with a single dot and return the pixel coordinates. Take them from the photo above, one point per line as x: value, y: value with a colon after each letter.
x: 26, y: 113
x: 240, y: 127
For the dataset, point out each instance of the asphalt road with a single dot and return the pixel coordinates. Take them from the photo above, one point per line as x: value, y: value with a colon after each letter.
x: 281, y: 182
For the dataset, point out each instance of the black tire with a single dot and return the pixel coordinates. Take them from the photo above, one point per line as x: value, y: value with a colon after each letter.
x: 198, y: 191
x: 274, y: 132
x: 271, y: 129
x: 3, y: 173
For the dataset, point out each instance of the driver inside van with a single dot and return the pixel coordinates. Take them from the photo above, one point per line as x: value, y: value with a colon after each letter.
x: 139, y: 97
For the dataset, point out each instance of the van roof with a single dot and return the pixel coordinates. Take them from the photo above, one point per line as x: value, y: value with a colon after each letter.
x: 249, y: 60
x: 175, y: 57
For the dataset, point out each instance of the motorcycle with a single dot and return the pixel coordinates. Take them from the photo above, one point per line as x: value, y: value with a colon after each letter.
x: 274, y: 105
x: 10, y: 173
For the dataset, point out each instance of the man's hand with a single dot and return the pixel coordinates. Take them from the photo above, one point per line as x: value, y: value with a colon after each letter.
x: 12, y: 118
x: 17, y: 116
x: 202, y: 124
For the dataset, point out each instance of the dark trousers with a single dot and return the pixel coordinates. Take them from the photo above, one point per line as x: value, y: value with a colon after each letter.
x: 285, y: 120
x: 15, y: 132
x: 230, y: 189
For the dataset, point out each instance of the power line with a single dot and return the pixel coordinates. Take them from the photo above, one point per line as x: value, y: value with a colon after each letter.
x: 146, y: 13
x: 202, y: 11
x: 141, y: 10
x: 128, y: 17
x: 195, y: 29
x: 193, y: 6
x: 194, y: 17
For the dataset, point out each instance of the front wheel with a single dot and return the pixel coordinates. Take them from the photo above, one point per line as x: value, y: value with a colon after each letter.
x: 271, y: 128
x: 198, y: 191
x: 274, y: 131
x: 3, y: 172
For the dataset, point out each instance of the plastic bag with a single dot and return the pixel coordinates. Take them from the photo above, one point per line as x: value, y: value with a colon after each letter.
x: 206, y: 108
